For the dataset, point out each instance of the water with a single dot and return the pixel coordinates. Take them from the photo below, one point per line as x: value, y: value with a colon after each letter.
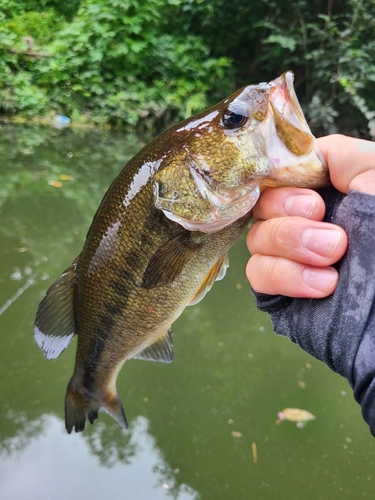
x: 200, y: 428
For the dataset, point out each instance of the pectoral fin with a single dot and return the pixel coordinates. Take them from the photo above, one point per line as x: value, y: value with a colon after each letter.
x: 54, y: 324
x: 167, y: 263
x: 216, y: 273
x: 161, y: 350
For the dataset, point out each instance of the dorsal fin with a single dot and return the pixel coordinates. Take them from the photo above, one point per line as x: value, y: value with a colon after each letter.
x: 169, y: 260
x: 160, y: 350
x: 216, y: 273
x: 54, y: 323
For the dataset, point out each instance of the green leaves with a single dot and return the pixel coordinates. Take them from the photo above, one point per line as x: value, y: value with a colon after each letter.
x: 331, y: 49
x: 285, y: 42
x: 137, y: 62
x: 124, y: 62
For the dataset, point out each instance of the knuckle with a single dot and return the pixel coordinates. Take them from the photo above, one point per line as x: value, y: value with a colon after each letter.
x: 252, y: 237
x: 278, y: 233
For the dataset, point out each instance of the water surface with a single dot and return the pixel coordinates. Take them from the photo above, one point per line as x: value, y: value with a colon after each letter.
x: 195, y: 424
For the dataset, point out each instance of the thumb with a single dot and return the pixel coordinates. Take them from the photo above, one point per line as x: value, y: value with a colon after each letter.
x: 351, y: 162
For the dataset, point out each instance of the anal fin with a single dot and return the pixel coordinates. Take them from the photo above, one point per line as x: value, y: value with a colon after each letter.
x: 161, y: 350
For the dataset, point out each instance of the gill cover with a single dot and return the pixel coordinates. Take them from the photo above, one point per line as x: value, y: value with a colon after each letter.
x: 256, y: 137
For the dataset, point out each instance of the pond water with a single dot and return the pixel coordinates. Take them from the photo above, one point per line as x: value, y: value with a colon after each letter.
x: 202, y: 427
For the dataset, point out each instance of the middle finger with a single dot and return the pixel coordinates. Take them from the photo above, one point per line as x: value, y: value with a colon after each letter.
x: 308, y: 242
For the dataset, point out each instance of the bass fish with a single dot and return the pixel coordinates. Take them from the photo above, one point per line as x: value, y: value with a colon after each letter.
x: 160, y: 237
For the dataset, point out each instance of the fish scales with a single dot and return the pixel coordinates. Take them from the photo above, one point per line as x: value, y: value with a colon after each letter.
x: 161, y: 234
x: 138, y: 236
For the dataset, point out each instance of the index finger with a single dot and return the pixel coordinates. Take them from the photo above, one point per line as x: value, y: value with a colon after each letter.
x: 289, y: 201
x: 351, y: 162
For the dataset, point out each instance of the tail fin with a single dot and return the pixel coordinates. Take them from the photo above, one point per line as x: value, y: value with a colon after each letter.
x: 79, y: 405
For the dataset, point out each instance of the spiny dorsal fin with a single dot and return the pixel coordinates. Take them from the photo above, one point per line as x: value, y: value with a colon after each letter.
x: 169, y: 260
x: 161, y: 350
x: 54, y: 323
x: 216, y: 273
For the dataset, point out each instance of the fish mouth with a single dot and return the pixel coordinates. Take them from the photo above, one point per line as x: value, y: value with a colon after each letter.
x: 284, y: 99
x: 290, y: 145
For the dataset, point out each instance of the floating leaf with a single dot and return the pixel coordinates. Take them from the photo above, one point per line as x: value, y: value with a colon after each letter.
x: 236, y: 434
x: 294, y: 415
x: 56, y: 184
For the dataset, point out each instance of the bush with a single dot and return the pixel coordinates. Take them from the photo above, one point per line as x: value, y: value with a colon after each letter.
x: 117, y: 62
x: 42, y: 26
x: 134, y: 62
x: 333, y: 56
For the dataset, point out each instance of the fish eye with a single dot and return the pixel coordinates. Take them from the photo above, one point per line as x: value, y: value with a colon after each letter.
x: 235, y: 116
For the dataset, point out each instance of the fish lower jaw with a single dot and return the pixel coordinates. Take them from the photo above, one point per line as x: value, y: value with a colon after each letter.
x: 298, y: 176
x: 307, y: 171
x: 289, y: 177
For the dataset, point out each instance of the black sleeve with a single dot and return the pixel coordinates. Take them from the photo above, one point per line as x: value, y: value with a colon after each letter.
x: 340, y: 329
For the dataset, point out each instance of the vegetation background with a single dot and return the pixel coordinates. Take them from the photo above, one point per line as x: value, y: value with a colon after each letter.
x: 146, y: 63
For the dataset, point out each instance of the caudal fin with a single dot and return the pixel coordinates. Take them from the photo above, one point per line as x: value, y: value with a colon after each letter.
x: 79, y: 405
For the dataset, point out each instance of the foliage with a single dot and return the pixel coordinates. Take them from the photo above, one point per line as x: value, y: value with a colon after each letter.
x: 19, y: 89
x: 331, y: 48
x: 14, y: 8
x: 18, y: 92
x: 228, y: 28
x: 42, y: 26
x: 133, y: 62
x: 117, y: 62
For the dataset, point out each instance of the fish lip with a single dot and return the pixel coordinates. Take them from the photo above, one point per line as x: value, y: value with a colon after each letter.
x: 283, y: 97
x: 306, y: 167
x: 315, y: 178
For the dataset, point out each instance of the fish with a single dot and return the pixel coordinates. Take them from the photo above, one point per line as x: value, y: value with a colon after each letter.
x: 160, y: 237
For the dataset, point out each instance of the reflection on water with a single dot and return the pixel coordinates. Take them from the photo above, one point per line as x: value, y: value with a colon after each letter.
x: 70, y: 475
x: 193, y: 423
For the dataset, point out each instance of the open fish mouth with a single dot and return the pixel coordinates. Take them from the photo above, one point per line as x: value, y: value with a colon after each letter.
x: 265, y: 141
x: 283, y: 99
x: 291, y: 147
x: 290, y: 123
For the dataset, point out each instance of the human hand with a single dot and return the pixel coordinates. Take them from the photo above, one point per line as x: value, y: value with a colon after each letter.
x: 292, y: 249
x: 337, y: 329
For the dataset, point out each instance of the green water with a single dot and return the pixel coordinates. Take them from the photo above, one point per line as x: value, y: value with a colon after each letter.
x: 231, y: 374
